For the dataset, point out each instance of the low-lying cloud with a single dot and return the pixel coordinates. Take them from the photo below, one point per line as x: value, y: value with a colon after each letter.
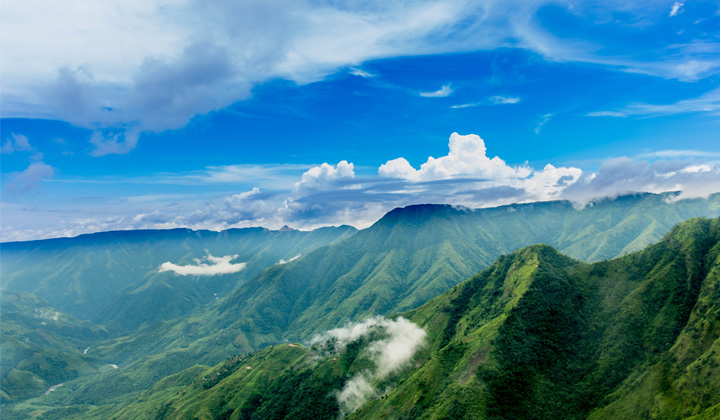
x: 390, y: 354
x: 216, y: 265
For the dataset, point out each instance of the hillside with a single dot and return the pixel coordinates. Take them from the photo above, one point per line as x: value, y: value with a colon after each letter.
x: 112, y: 278
x: 536, y: 335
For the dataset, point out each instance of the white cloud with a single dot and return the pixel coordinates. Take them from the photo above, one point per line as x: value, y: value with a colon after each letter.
x: 31, y: 177
x: 216, y: 265
x: 290, y: 260
x: 675, y: 153
x: 324, y: 177
x: 17, y: 143
x: 443, y: 92
x: 625, y: 175
x: 675, y: 8
x: 707, y: 102
x: 390, y: 354
x: 466, y: 158
x: 361, y: 73
x: 152, y: 65
x: 503, y: 100
x: 333, y: 194
x: 113, y: 143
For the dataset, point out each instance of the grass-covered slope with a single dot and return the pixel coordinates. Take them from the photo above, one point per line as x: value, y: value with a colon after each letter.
x: 537, y: 335
x: 112, y: 278
x: 41, y: 347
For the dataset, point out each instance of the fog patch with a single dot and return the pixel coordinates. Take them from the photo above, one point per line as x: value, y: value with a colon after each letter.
x: 400, y: 341
x: 214, y: 266
x: 291, y: 259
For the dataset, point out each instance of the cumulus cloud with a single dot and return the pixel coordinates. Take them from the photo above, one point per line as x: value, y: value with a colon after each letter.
x: 214, y: 266
x: 16, y: 143
x: 443, y: 92
x: 328, y: 194
x: 467, y: 158
x: 400, y: 340
x: 324, y: 177
x: 31, y: 177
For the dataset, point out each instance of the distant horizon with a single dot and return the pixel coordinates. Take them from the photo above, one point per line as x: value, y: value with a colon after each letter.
x: 289, y: 228
x: 154, y: 114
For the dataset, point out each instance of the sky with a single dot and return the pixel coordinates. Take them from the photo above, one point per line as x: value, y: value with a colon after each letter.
x: 141, y: 114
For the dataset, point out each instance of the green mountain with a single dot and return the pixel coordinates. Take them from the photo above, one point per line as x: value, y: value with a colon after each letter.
x: 408, y: 257
x: 401, y: 262
x: 537, y: 335
x: 112, y: 278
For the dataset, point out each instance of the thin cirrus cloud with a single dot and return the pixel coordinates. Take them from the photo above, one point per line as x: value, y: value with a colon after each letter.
x: 491, y: 100
x: 708, y: 102
x: 213, y: 267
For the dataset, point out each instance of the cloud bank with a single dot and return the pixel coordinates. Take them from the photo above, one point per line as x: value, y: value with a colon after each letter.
x: 400, y: 340
x: 215, y: 266
x: 329, y: 194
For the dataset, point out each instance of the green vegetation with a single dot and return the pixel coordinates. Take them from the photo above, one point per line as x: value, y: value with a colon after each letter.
x: 537, y: 335
x: 112, y: 278
x: 584, y: 323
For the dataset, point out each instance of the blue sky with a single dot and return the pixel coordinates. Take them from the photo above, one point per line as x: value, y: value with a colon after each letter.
x: 157, y: 114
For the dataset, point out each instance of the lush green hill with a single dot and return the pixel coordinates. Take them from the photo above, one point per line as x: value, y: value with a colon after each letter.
x: 112, y: 278
x: 537, y: 335
x: 402, y: 261
x: 409, y: 256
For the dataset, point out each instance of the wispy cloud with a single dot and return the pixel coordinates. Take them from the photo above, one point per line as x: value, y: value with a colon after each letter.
x: 543, y: 121
x: 503, y: 100
x: 676, y: 7
x: 491, y: 100
x: 708, y: 102
x: 675, y: 153
x: 443, y: 92
x: 356, y: 71
x: 215, y: 266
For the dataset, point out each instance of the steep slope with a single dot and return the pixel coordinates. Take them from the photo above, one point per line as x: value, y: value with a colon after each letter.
x: 112, y: 278
x: 537, y: 335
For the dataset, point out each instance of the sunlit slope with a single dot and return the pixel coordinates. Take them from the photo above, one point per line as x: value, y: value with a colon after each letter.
x: 112, y: 278
x: 536, y: 335
x: 415, y: 253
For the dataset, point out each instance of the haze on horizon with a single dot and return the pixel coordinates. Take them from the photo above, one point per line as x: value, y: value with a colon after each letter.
x: 160, y: 114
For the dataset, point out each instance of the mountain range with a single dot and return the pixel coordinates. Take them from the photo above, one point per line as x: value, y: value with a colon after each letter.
x: 155, y: 332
